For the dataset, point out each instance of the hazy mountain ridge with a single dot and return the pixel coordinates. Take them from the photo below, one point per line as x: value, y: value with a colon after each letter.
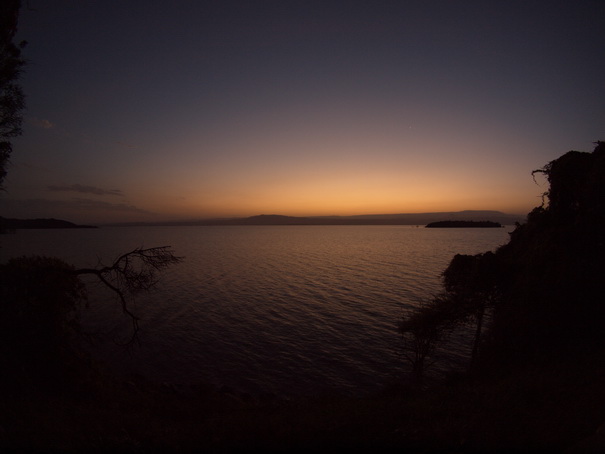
x: 466, y: 224
x: 364, y: 219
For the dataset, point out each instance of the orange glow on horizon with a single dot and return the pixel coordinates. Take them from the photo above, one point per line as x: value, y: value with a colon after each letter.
x: 337, y: 200
x: 332, y: 174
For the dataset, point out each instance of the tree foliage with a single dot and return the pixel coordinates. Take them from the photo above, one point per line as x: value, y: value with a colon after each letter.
x: 553, y: 264
x: 423, y: 330
x: 40, y: 298
x: 544, y: 287
x: 39, y: 302
x: 12, y: 100
x: 470, y: 289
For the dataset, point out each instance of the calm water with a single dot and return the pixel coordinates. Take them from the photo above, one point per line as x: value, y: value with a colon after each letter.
x: 277, y: 309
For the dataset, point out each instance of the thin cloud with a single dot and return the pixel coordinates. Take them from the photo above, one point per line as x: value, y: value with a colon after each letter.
x: 89, y: 204
x: 82, y: 189
x: 126, y: 144
x: 42, y: 123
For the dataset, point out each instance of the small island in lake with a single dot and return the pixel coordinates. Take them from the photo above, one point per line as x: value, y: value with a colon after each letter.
x: 450, y: 224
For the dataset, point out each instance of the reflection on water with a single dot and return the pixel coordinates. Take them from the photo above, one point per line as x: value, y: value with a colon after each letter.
x: 280, y: 309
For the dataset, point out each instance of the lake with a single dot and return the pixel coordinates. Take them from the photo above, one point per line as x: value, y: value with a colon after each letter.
x: 266, y: 309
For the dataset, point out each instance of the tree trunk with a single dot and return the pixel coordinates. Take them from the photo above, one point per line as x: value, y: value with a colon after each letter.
x: 477, y: 338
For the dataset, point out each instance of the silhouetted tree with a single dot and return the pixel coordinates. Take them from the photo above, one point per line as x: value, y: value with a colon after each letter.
x: 422, y: 330
x: 39, y: 298
x: 544, y: 288
x: 11, y: 95
x: 471, y: 286
x: 39, y: 302
x: 553, y: 264
x: 132, y: 273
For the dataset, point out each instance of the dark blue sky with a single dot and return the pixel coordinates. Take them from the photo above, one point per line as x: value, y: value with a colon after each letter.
x: 150, y: 110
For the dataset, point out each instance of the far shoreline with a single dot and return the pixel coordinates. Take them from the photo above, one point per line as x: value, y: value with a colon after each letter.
x: 464, y: 224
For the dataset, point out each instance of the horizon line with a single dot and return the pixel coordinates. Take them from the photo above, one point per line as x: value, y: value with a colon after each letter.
x: 274, y: 215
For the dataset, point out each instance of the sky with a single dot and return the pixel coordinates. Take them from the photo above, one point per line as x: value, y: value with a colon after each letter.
x: 174, y: 110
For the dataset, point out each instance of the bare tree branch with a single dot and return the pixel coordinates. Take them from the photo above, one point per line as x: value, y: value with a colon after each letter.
x: 132, y: 273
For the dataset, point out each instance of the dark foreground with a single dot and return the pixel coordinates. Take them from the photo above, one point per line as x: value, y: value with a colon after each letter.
x: 542, y: 408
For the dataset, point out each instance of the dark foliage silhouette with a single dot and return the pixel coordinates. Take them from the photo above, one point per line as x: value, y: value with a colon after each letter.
x: 39, y: 301
x: 471, y: 286
x: 40, y: 298
x: 543, y: 289
x: 551, y: 268
x: 470, y: 289
x: 12, y: 100
x: 422, y: 331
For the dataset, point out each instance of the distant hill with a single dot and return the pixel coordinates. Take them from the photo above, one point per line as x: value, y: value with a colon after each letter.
x: 368, y: 219
x: 15, y: 224
x: 458, y: 224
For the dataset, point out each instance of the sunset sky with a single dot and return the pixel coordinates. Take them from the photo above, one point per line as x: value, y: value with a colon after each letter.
x: 169, y: 110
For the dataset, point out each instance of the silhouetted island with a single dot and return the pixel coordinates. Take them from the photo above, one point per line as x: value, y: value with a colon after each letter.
x: 14, y: 224
x: 450, y: 224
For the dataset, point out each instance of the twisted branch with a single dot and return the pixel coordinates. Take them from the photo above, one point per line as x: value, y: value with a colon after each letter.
x: 132, y: 273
